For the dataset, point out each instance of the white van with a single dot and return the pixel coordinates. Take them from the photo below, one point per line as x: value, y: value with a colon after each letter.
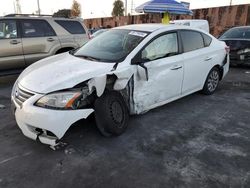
x: 200, y: 24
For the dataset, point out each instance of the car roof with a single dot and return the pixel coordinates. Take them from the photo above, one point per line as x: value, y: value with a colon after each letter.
x: 39, y: 18
x: 154, y: 27
x: 240, y: 27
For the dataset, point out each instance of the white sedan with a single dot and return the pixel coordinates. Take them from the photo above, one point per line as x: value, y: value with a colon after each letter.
x: 126, y: 70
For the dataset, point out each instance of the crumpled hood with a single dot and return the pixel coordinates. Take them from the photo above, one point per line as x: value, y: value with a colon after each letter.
x: 60, y: 72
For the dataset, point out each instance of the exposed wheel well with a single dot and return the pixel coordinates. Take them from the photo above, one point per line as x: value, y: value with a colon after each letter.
x: 62, y: 50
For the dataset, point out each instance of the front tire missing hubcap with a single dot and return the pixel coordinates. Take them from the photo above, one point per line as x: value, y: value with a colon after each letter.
x: 111, y: 114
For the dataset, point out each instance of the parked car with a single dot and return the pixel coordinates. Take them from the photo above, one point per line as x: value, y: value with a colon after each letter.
x: 126, y: 70
x: 25, y: 39
x: 92, y: 31
x: 100, y: 31
x: 238, y: 39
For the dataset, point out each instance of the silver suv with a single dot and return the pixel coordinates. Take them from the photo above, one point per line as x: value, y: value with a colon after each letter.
x: 25, y: 39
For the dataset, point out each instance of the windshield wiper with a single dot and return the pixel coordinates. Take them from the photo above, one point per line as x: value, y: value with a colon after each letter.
x: 89, y: 57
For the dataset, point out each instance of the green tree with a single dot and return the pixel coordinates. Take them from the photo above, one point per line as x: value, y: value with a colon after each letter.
x: 76, y: 9
x: 118, y: 9
x: 63, y: 13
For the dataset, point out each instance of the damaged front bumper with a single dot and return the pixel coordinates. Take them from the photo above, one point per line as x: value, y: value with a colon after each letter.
x: 46, y: 125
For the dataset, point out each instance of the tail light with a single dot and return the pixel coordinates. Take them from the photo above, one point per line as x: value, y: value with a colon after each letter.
x: 227, y: 48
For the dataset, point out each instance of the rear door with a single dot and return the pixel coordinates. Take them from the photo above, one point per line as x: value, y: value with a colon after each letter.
x: 198, y: 60
x: 11, y: 51
x: 39, y: 40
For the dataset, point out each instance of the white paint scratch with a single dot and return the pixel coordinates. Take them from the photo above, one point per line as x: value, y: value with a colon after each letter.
x: 14, y: 157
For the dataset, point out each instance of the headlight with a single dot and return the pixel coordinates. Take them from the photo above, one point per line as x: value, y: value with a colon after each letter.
x: 243, y: 51
x: 60, y: 100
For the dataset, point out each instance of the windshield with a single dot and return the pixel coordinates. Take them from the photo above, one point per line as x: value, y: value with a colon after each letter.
x: 240, y: 33
x: 111, y: 46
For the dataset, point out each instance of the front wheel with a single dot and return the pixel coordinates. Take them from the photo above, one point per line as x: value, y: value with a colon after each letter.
x: 212, y: 81
x: 111, y: 114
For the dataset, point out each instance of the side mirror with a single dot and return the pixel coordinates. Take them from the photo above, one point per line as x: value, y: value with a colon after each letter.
x: 138, y: 61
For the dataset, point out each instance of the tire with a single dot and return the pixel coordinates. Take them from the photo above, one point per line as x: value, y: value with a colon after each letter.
x: 212, y: 81
x: 111, y: 114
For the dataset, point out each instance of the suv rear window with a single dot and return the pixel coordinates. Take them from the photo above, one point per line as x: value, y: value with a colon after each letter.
x: 191, y: 40
x: 73, y: 27
x: 36, y: 28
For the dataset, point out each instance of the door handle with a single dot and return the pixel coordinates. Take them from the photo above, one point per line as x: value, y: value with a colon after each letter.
x: 208, y: 58
x: 50, y: 39
x: 176, y: 67
x: 14, y: 42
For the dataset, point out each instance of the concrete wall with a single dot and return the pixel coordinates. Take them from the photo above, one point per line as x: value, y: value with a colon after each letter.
x: 219, y: 18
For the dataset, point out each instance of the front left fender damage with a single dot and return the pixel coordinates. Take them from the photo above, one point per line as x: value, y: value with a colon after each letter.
x: 36, y: 122
x: 99, y: 83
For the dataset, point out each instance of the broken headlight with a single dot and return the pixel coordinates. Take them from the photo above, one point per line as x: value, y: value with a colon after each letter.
x: 61, y: 100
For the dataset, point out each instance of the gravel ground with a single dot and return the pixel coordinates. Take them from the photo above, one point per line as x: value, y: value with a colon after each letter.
x: 197, y: 141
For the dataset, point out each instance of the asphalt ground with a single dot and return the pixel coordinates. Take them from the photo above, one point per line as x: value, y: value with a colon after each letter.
x: 197, y: 141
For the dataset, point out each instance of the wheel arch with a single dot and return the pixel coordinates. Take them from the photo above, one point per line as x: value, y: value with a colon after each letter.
x: 64, y: 49
x: 221, y: 70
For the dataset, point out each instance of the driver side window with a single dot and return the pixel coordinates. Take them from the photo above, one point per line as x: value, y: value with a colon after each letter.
x: 163, y: 46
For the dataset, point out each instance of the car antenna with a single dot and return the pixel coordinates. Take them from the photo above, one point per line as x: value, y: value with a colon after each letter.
x: 115, y: 66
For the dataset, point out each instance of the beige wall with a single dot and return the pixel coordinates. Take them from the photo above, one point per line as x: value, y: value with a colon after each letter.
x: 219, y: 18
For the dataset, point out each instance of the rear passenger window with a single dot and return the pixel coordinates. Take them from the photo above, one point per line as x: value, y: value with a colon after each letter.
x: 191, y: 40
x: 36, y: 28
x: 8, y: 29
x: 207, y: 39
x: 73, y: 27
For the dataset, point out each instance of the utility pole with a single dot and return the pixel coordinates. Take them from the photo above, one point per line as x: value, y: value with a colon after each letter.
x: 231, y: 2
x: 126, y: 8
x: 18, y: 7
x: 132, y: 7
x: 14, y: 7
x: 38, y: 5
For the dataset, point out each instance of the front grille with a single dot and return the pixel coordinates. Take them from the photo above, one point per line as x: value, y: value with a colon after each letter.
x: 21, y: 95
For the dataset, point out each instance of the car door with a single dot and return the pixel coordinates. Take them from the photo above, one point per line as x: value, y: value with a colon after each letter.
x: 11, y: 51
x: 198, y: 60
x: 39, y: 40
x: 164, y: 66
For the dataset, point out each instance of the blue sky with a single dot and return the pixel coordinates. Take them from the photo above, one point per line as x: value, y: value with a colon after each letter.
x: 96, y: 8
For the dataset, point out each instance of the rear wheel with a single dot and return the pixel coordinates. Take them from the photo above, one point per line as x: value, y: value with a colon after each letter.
x: 111, y: 114
x: 212, y: 81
